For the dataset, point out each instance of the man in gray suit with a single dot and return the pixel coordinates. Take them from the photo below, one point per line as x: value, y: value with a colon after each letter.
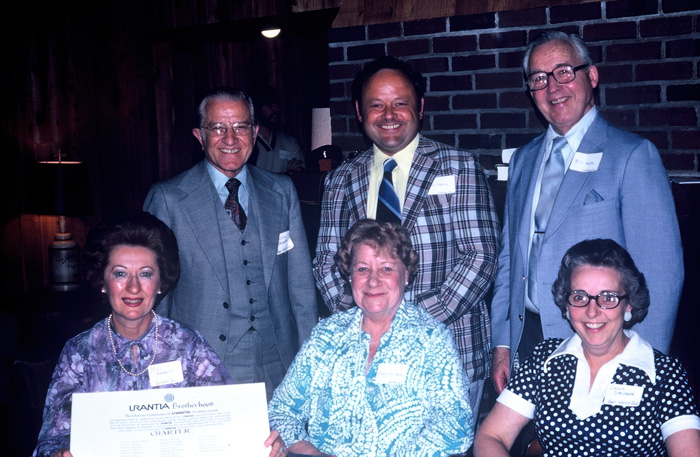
x: 610, y: 184
x: 246, y: 281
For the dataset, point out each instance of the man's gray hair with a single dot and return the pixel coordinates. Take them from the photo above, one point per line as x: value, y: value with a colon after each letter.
x: 224, y: 94
x: 555, y: 35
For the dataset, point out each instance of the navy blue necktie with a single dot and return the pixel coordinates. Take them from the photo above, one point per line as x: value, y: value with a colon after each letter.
x: 233, y: 206
x: 549, y: 187
x: 388, y: 207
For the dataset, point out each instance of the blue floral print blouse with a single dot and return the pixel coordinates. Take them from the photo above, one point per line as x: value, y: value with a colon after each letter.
x: 412, y: 402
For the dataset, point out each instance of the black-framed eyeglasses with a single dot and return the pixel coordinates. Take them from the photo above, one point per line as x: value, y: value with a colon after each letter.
x: 238, y: 128
x: 605, y: 300
x: 562, y: 74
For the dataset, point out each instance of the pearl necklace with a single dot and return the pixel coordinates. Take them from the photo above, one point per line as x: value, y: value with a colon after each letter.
x: 114, y: 349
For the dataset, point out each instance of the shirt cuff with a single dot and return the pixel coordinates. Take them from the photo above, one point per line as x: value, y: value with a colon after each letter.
x: 517, y: 403
x: 678, y: 423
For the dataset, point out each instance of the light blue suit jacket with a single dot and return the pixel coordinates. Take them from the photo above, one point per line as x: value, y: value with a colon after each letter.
x: 187, y: 204
x: 628, y: 199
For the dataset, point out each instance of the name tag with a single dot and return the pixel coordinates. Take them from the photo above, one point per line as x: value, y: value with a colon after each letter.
x: 621, y: 395
x: 443, y: 185
x: 391, y: 373
x: 586, y: 163
x: 285, y: 243
x: 165, y: 373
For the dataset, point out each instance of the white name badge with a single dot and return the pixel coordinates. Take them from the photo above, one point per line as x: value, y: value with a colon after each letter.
x: 586, y: 163
x: 621, y: 395
x: 285, y: 243
x: 443, y: 185
x: 165, y: 373
x: 391, y: 373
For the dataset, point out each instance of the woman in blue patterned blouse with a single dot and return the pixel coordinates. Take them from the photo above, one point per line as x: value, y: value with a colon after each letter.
x: 603, y: 391
x: 381, y: 379
x: 133, y: 261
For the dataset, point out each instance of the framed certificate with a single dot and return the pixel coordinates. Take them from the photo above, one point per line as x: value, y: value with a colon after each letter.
x: 193, y: 421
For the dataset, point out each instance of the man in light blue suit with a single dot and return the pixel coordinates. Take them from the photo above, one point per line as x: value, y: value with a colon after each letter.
x: 246, y: 282
x: 613, y: 186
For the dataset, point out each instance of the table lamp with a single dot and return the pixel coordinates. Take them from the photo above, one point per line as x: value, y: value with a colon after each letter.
x: 61, y: 189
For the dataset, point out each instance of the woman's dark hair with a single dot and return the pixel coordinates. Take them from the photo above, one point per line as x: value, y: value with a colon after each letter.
x: 603, y: 253
x: 383, y: 63
x: 137, y: 229
x: 387, y: 236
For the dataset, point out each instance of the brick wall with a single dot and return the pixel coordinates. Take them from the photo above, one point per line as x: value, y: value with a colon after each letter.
x: 647, y: 53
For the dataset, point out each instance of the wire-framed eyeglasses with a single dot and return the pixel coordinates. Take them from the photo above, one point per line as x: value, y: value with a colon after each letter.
x: 605, y: 300
x: 562, y: 74
x: 238, y: 128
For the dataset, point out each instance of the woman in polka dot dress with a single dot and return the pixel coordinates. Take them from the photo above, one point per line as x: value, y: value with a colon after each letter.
x: 603, y: 391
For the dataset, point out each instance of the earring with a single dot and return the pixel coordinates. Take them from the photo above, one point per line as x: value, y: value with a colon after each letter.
x: 406, y: 283
x: 158, y: 292
x: 103, y: 291
x: 628, y: 316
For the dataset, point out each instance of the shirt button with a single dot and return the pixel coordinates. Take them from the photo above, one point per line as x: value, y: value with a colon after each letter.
x: 225, y: 305
x: 222, y: 337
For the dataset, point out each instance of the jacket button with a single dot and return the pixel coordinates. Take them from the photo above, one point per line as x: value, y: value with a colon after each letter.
x: 225, y: 305
x: 242, y: 242
x: 251, y: 301
x: 245, y: 262
x: 222, y: 337
x: 248, y: 282
x: 252, y: 318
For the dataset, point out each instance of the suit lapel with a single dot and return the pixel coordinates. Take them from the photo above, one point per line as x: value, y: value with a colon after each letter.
x: 526, y: 179
x: 423, y: 171
x: 574, y: 180
x: 266, y: 205
x: 199, y: 209
x: 358, y: 187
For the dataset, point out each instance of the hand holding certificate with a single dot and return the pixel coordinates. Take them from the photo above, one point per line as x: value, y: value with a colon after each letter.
x: 196, y: 421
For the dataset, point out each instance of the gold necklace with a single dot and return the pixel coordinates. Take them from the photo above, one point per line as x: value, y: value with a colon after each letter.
x: 114, y: 349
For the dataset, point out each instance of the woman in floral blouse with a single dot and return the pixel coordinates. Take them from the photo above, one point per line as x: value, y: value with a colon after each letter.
x: 133, y: 261
x: 381, y: 379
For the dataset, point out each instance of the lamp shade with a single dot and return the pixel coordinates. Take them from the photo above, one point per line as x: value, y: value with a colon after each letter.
x: 59, y: 188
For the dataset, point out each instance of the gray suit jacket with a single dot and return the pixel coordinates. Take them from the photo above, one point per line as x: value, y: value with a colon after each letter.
x: 186, y: 203
x: 628, y: 199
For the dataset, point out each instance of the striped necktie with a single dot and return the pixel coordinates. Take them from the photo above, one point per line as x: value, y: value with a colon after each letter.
x: 388, y: 208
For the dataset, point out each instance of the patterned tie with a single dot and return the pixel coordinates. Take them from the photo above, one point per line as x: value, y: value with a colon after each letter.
x: 549, y: 187
x: 388, y: 208
x: 233, y: 206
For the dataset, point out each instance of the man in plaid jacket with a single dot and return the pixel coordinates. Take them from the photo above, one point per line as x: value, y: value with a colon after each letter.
x: 446, y: 206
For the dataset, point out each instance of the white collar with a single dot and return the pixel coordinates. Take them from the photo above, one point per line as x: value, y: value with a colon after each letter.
x: 575, y: 135
x: 586, y: 400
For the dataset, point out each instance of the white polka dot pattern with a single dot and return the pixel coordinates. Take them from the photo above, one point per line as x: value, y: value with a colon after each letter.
x: 615, y: 430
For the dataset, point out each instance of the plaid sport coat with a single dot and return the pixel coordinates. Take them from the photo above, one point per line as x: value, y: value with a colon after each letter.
x: 454, y: 234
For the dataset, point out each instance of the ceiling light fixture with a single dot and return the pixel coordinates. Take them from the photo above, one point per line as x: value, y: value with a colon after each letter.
x: 271, y: 33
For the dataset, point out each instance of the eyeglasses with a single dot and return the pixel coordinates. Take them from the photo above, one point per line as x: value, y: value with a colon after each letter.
x: 238, y: 128
x: 606, y: 300
x: 562, y: 74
